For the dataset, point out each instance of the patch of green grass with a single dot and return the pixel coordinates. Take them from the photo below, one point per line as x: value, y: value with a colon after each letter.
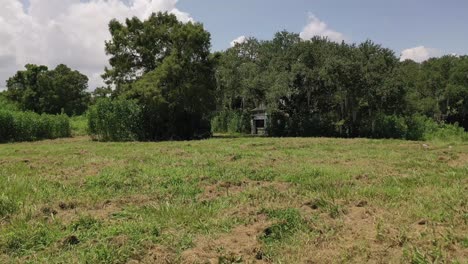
x: 7, y: 206
x: 289, y: 221
x: 23, y: 238
x: 131, y: 198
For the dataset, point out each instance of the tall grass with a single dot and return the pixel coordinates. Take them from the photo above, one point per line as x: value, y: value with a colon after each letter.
x: 18, y: 126
x: 79, y: 125
x: 115, y: 120
x: 231, y: 122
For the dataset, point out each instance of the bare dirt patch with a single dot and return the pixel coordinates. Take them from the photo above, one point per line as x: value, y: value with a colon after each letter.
x: 461, y: 161
x: 241, y: 245
x: 157, y: 255
x: 364, y: 233
x: 356, y: 236
x: 68, y: 211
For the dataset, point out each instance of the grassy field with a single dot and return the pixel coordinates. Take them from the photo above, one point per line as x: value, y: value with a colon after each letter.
x: 234, y: 200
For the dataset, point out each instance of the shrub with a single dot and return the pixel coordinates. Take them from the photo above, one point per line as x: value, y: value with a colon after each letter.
x: 115, y: 120
x: 447, y: 132
x: 79, y: 125
x: 28, y: 126
x: 390, y: 126
x: 229, y: 121
x: 5, y: 104
x: 239, y: 122
x: 424, y: 128
x: 419, y: 126
x: 278, y: 124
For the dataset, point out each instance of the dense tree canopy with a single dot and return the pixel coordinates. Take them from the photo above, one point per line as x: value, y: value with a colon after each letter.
x: 318, y: 87
x: 165, y: 66
x: 49, y: 91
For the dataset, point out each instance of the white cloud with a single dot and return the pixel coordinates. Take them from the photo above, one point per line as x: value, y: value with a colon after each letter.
x: 419, y: 54
x: 72, y: 32
x: 238, y: 40
x: 316, y: 27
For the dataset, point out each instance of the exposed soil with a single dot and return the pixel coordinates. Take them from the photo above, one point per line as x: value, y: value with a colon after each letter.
x: 356, y: 231
x: 461, y: 161
x: 363, y: 234
x: 157, y: 255
x: 241, y: 245
x: 69, y: 211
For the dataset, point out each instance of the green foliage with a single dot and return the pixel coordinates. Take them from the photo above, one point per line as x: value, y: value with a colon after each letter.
x: 29, y: 126
x: 419, y: 126
x: 138, y: 47
x: 320, y: 88
x: 231, y: 122
x: 6, y: 104
x: 176, y: 90
x: 56, y: 91
x: 79, y: 125
x: 447, y: 132
x: 7, y: 206
x: 85, y: 223
x: 423, y: 128
x: 115, y: 120
x: 289, y: 222
x: 278, y: 124
x: 25, y: 238
x: 390, y: 126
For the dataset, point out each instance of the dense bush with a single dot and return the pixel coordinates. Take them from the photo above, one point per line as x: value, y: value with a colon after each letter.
x: 115, y: 120
x: 447, y: 132
x: 390, y: 126
x: 424, y: 128
x: 79, y: 125
x: 29, y: 126
x: 416, y: 127
x: 5, y: 104
x: 231, y: 122
x: 278, y: 124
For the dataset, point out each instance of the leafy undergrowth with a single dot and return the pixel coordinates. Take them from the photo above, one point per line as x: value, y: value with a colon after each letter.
x: 234, y: 200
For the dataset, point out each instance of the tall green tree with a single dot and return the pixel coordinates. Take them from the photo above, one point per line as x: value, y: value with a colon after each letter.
x: 49, y: 91
x: 165, y: 65
x: 138, y: 47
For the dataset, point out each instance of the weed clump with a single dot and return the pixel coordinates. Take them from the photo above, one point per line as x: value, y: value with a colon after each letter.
x: 7, y: 206
x: 289, y: 222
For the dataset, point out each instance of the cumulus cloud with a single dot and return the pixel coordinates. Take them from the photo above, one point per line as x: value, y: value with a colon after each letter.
x: 317, y: 27
x: 238, y: 40
x: 419, y: 54
x: 72, y: 32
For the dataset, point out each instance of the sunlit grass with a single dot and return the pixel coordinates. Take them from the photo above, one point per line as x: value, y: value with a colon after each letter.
x: 321, y: 199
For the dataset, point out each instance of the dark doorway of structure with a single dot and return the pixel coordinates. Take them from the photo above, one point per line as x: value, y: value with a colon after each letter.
x: 260, y: 127
x: 260, y: 124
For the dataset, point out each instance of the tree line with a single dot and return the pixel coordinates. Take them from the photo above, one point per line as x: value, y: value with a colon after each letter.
x: 164, y: 83
x: 322, y: 88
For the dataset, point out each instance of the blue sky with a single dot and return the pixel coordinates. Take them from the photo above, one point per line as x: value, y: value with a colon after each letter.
x: 73, y: 32
x: 397, y: 24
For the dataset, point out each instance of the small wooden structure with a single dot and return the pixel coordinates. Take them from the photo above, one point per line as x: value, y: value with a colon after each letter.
x: 259, y: 121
